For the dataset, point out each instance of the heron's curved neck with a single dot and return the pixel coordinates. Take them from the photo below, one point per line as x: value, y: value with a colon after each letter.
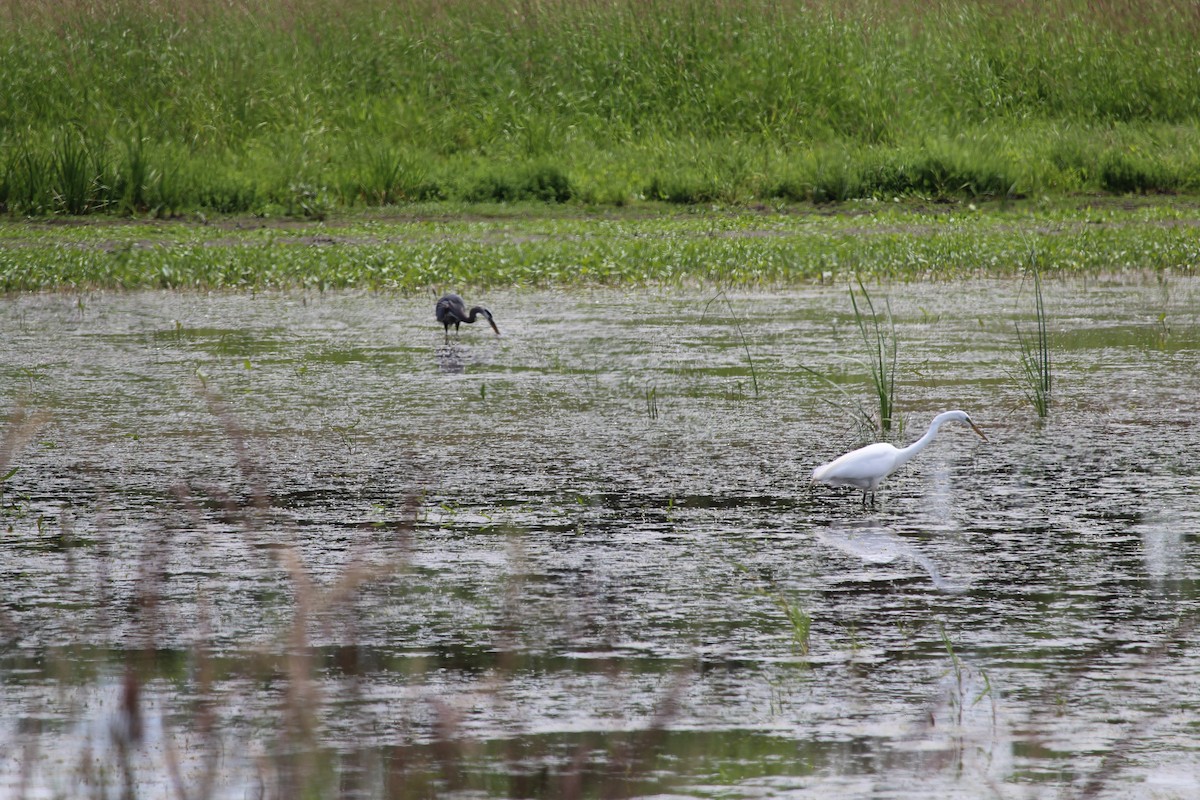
x: 475, y: 312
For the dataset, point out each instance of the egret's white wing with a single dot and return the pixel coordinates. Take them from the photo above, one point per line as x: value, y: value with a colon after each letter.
x: 862, y: 467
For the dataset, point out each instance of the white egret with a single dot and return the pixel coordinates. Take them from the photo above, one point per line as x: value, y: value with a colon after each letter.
x: 866, y: 467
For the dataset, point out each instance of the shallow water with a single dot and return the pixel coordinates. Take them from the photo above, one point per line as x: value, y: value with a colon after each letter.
x: 584, y: 540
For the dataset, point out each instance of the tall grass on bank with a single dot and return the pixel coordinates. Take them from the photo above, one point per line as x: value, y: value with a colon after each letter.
x: 144, y: 106
x: 1035, y: 375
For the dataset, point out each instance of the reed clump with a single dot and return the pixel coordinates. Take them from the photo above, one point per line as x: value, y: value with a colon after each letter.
x: 1036, y: 375
x: 144, y: 106
x: 879, y: 339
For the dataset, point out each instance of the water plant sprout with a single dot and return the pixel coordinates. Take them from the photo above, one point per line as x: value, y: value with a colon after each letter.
x: 866, y: 467
x: 741, y: 335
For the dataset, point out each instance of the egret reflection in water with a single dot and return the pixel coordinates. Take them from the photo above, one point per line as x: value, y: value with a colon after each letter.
x: 875, y: 544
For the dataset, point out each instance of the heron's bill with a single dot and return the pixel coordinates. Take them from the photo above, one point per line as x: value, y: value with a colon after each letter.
x: 975, y: 428
x: 493, y: 324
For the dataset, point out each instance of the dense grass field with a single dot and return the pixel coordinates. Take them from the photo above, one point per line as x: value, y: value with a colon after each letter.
x: 309, y: 107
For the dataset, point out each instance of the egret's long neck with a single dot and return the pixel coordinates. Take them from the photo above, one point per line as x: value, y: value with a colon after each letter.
x: 907, y: 453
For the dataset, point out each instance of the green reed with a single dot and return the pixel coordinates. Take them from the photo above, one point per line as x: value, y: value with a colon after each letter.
x: 741, y: 336
x: 1036, y: 375
x: 879, y: 339
x: 798, y: 619
x: 253, y: 106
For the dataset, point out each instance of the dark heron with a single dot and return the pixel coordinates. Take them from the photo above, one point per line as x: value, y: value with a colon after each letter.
x: 451, y: 310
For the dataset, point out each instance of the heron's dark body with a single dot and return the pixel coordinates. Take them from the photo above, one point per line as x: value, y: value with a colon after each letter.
x: 452, y: 310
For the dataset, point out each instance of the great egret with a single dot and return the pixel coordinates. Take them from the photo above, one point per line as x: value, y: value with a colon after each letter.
x: 451, y: 310
x: 866, y: 467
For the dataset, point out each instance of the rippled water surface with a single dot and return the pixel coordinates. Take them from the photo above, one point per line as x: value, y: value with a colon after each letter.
x: 255, y: 542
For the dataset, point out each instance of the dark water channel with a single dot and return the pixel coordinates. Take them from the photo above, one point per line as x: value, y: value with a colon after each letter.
x: 584, y: 559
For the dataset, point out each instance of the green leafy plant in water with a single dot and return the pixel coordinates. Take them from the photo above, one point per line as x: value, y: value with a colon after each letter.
x: 1163, y: 330
x: 955, y: 664
x: 960, y: 674
x: 1036, y: 376
x: 882, y: 353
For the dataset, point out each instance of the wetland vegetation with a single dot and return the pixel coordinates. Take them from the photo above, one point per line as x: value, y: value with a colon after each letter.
x: 266, y: 532
x: 434, y: 248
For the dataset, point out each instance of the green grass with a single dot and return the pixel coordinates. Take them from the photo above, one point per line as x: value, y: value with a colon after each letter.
x: 799, y: 621
x: 306, y: 106
x: 741, y: 336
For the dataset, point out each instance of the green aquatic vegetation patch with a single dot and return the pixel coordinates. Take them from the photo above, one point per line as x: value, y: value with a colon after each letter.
x: 504, y: 247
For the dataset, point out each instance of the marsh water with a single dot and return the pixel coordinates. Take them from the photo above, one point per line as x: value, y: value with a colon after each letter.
x: 252, y: 537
